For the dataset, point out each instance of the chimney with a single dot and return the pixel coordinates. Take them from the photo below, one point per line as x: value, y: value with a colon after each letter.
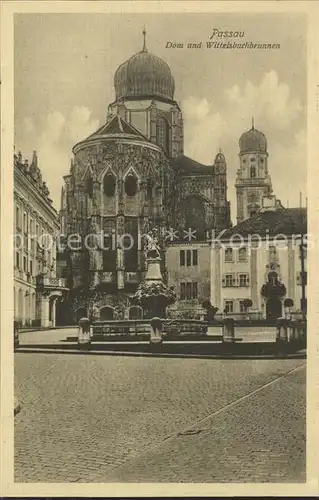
x: 269, y: 204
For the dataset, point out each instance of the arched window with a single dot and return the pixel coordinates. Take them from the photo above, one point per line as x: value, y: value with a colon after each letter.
x: 80, y: 313
x: 252, y: 171
x: 272, y: 277
x: 109, y: 184
x: 109, y: 248
x: 106, y: 313
x: 135, y: 312
x: 162, y: 134
x: 131, y: 185
x: 89, y: 186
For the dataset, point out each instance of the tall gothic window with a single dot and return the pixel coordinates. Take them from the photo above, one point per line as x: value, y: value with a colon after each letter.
x: 109, y: 185
x: 89, y: 186
x: 109, y: 244
x: 131, y: 185
x: 162, y: 134
x: 130, y: 244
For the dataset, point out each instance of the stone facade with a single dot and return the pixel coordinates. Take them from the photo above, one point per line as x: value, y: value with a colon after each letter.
x: 36, y: 226
x: 266, y: 270
x: 131, y: 177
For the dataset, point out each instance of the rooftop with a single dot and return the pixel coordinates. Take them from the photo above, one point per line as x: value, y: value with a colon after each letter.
x: 285, y: 221
x: 115, y: 127
x: 184, y: 164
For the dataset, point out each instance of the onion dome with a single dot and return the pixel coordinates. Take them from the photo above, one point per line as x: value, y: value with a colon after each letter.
x: 253, y: 141
x: 144, y: 75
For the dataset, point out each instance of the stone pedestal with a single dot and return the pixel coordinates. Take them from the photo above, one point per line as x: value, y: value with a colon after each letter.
x: 228, y: 330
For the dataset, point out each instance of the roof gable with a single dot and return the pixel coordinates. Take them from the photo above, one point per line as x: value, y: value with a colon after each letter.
x: 117, y: 125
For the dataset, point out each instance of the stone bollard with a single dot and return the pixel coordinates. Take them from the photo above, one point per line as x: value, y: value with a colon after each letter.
x: 84, y: 333
x: 303, y: 333
x: 156, y: 337
x: 228, y: 330
x: 290, y: 330
x: 16, y: 340
x: 282, y: 334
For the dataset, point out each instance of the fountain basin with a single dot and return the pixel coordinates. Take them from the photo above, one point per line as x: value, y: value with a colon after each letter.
x: 142, y: 328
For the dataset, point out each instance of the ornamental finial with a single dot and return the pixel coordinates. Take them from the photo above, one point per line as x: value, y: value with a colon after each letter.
x: 144, y: 42
x: 253, y: 123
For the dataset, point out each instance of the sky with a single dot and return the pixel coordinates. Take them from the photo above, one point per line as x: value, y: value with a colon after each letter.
x: 65, y: 64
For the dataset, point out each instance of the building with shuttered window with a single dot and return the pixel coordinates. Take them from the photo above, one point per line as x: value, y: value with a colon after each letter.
x: 264, y: 259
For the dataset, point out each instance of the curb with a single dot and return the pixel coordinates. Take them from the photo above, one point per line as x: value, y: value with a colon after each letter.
x: 161, y: 355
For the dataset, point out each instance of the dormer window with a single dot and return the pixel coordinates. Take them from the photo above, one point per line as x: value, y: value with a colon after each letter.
x: 109, y: 185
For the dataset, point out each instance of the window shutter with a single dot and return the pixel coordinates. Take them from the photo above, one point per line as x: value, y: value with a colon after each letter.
x: 188, y: 257
x: 224, y: 281
x: 234, y: 281
x: 195, y: 258
x: 182, y: 257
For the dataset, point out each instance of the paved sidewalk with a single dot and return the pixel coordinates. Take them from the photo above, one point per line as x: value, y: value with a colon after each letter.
x: 83, y: 416
x: 259, y: 438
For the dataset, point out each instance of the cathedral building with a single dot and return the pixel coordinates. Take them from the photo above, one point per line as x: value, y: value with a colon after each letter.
x: 129, y: 178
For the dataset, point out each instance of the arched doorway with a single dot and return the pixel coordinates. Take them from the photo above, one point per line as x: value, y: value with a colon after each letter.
x: 273, y: 308
x: 80, y: 313
x: 106, y: 313
x: 135, y: 312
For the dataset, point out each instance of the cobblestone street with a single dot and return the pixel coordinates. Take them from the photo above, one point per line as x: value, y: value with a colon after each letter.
x: 98, y: 419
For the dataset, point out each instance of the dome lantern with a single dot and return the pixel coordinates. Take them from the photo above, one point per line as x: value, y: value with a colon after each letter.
x: 144, y: 76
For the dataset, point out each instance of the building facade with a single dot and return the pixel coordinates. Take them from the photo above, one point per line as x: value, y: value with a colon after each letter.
x: 131, y: 178
x: 188, y: 265
x: 36, y: 226
x: 260, y: 259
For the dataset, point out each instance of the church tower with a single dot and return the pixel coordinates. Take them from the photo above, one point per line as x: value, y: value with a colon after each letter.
x: 144, y: 98
x: 253, y: 181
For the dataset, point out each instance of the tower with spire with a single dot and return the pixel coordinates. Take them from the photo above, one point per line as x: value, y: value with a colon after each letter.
x: 253, y: 181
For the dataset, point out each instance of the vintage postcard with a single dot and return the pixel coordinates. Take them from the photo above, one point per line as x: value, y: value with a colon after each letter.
x: 159, y: 237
